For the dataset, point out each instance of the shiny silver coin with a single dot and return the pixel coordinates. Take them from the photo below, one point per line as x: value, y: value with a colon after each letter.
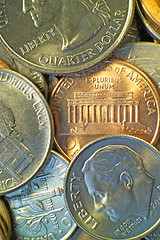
x: 36, y: 77
x: 145, y: 56
x: 64, y: 36
x: 26, y: 130
x: 38, y: 209
x: 112, y: 187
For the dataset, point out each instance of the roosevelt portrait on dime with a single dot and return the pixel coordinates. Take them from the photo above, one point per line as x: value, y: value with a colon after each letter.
x: 117, y: 180
x: 77, y: 21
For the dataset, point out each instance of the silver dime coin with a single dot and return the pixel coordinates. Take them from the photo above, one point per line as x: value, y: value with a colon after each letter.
x: 26, y: 130
x: 112, y: 188
x: 38, y: 209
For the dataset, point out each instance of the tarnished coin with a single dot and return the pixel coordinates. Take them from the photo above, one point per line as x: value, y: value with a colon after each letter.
x: 26, y: 130
x: 145, y: 56
x: 36, y: 77
x: 117, y: 98
x: 5, y: 222
x: 64, y: 36
x: 38, y: 209
x: 112, y: 188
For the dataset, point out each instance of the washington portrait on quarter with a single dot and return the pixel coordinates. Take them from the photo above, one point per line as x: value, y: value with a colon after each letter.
x: 77, y: 21
x: 115, y: 177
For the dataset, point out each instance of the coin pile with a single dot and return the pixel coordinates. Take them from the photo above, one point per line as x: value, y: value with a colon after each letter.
x: 79, y: 119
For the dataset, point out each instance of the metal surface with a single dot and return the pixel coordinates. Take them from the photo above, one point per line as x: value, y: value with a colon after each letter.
x: 38, y: 209
x: 112, y: 187
x: 5, y: 222
x: 149, y: 28
x: 64, y: 36
x: 145, y: 56
x: 116, y: 98
x: 151, y: 11
x: 134, y: 34
x: 26, y: 130
x: 36, y: 77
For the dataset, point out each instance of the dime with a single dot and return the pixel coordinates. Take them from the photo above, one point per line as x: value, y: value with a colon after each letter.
x: 112, y: 188
x: 64, y: 36
x: 5, y: 222
x: 79, y: 234
x: 116, y: 98
x: 26, y: 130
x: 36, y: 77
x: 154, y: 235
x: 38, y: 209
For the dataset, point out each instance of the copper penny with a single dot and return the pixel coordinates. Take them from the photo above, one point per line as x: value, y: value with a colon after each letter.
x: 116, y: 99
x: 5, y: 222
x: 4, y: 64
x: 151, y: 11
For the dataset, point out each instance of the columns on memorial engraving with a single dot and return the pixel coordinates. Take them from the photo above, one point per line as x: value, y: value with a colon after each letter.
x: 112, y: 113
x: 80, y: 113
x: 118, y: 113
x: 136, y: 113
x: 131, y: 114
x: 93, y: 113
x: 106, y: 114
x: 124, y: 113
x: 69, y: 113
x: 98, y: 113
x: 87, y: 113
x: 74, y: 113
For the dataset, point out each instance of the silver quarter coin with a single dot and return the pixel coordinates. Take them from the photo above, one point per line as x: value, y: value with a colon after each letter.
x: 64, y: 36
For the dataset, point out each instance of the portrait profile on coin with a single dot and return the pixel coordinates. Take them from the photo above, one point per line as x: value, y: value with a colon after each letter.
x: 77, y: 21
x: 117, y: 180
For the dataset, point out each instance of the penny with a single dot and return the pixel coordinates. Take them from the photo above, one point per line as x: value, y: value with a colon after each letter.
x: 38, y: 209
x: 112, y: 187
x: 151, y: 11
x: 46, y: 40
x: 26, y: 130
x: 145, y: 56
x: 116, y: 98
x: 5, y: 222
x: 36, y: 77
x: 3, y: 64
x: 149, y: 28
